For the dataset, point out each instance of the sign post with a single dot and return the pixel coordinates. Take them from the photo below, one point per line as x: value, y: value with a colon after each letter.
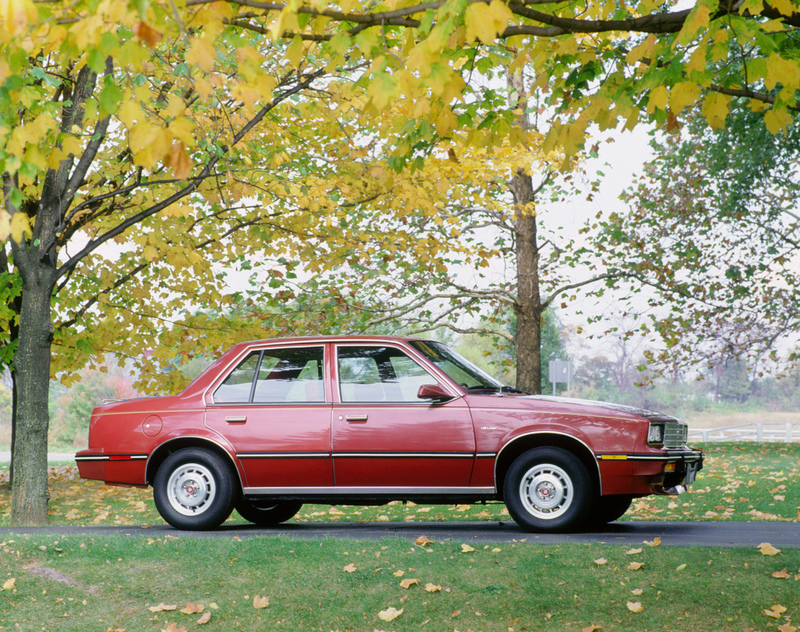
x: 561, y: 371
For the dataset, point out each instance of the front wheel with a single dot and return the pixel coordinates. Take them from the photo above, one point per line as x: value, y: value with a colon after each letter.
x: 194, y: 489
x: 267, y: 513
x: 611, y: 508
x: 548, y: 489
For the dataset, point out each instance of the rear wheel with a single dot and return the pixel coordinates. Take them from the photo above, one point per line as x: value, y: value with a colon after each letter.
x: 548, y: 489
x: 194, y: 489
x: 266, y: 512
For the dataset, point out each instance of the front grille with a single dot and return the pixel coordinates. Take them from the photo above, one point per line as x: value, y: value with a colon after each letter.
x: 675, y: 434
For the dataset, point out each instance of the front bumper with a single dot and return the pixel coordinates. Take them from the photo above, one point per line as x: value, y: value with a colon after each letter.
x: 679, y: 472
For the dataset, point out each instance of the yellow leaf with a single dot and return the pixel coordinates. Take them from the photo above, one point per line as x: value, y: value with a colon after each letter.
x: 635, y: 566
x: 390, y: 614
x: 592, y: 628
x: 654, y: 542
x: 466, y: 548
x: 260, y: 602
x: 767, y: 549
x: 162, y: 607
x: 350, y: 568
x: 659, y: 98
x: 423, y: 541
x: 16, y: 15
x: 20, y: 227
x: 179, y: 161
x: 601, y: 561
x: 775, y: 612
x: 204, y: 619
x: 432, y: 588
x: 777, y: 120
x: 191, y: 608
x: 201, y: 53
x: 782, y: 574
x: 486, y: 21
x: 10, y: 583
x: 408, y: 583
x: 715, y: 109
x: 633, y: 551
x: 635, y: 606
x: 787, y: 627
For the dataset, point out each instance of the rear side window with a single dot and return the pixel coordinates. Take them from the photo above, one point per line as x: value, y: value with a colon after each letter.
x: 293, y: 375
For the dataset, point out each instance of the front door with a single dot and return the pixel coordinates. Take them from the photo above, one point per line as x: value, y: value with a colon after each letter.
x: 384, y: 436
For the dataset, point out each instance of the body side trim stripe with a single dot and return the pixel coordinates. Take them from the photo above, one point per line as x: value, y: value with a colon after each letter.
x: 343, y: 491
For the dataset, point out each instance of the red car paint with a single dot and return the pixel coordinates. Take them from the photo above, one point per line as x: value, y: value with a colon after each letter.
x: 339, y: 420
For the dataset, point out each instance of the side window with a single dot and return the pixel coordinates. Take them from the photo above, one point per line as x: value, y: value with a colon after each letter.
x: 238, y: 386
x: 379, y: 374
x: 276, y: 376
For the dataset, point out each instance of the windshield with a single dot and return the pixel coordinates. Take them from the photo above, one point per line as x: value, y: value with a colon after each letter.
x: 459, y: 369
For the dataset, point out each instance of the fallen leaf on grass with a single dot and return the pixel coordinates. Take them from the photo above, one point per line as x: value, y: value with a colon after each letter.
x: 592, y: 628
x: 654, y: 542
x: 260, y: 602
x: 601, y: 561
x: 466, y: 548
x: 787, y: 627
x: 775, y: 612
x: 767, y: 549
x: 423, y: 541
x: 10, y: 583
x: 408, y: 583
x: 635, y: 566
x: 191, y: 608
x: 432, y: 588
x: 390, y: 614
x: 204, y: 619
x: 635, y: 606
x: 162, y: 607
x: 782, y: 574
x: 171, y: 627
x: 633, y: 551
x: 350, y: 568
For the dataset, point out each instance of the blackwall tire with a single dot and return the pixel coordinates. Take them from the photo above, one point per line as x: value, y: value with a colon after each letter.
x: 548, y: 489
x: 610, y: 508
x: 267, y: 513
x: 194, y: 489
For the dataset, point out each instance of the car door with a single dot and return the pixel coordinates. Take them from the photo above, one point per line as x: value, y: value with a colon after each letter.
x: 384, y: 436
x: 272, y: 407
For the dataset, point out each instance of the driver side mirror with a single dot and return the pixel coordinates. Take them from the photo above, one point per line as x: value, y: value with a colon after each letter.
x: 434, y: 392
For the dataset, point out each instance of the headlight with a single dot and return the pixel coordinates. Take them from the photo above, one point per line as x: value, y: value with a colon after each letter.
x: 655, y: 435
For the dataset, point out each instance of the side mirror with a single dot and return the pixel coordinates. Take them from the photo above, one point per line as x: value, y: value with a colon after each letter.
x: 434, y: 392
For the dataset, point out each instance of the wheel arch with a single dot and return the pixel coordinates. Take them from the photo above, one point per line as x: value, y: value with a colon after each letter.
x: 522, y: 443
x: 160, y: 454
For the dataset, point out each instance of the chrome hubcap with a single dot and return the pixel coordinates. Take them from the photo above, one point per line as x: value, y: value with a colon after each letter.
x: 546, y: 491
x: 191, y: 489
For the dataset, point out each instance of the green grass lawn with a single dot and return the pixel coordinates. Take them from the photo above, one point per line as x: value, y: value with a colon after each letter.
x: 176, y: 583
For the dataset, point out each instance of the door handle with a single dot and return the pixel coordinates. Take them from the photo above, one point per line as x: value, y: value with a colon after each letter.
x: 357, y: 418
x: 236, y: 420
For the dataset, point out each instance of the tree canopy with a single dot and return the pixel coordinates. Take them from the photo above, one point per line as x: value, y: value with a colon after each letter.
x: 146, y: 145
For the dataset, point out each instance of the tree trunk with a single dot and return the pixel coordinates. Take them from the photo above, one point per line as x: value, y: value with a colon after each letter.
x: 32, y: 420
x: 528, y: 306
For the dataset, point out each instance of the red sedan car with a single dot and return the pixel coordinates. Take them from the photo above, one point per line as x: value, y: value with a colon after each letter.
x: 366, y: 420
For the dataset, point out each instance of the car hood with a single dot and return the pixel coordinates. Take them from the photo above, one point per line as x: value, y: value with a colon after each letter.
x: 631, y: 410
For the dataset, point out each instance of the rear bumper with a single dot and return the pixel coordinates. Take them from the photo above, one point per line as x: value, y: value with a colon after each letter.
x: 120, y: 469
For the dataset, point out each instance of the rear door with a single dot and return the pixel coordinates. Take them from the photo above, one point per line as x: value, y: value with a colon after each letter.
x: 272, y: 407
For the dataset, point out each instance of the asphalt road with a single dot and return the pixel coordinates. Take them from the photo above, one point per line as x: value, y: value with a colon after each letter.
x: 724, y: 534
